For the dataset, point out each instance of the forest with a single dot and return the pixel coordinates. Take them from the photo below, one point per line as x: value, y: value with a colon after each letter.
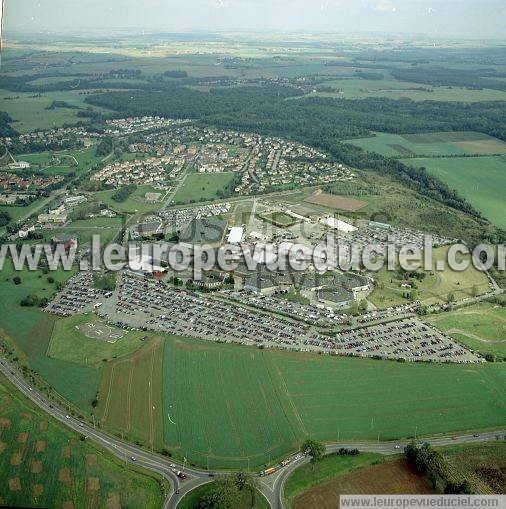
x: 321, y: 122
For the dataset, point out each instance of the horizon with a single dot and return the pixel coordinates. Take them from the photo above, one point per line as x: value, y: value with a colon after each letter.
x: 440, y: 19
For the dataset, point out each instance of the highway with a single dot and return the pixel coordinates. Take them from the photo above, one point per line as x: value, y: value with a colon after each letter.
x: 272, y: 487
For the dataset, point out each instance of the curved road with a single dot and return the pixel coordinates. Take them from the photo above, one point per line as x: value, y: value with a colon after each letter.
x: 272, y: 487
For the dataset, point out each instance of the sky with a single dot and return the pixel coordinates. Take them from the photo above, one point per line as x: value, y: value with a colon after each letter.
x: 438, y: 18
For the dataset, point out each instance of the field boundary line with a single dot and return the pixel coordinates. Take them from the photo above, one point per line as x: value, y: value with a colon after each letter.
x: 129, y: 402
x: 289, y: 398
x: 107, y: 400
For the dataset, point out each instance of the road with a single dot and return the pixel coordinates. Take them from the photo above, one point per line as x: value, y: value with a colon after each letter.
x: 272, y: 487
x: 182, y: 180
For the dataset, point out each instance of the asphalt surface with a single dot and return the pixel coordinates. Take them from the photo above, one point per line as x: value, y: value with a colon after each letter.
x: 272, y: 487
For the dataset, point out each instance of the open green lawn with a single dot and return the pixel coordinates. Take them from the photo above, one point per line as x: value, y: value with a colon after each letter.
x: 259, y: 405
x: 203, y: 186
x: 432, y: 144
x: 16, y: 212
x: 69, y: 343
x: 83, y: 230
x: 481, y: 327
x: 134, y: 203
x: 436, y: 286
x: 64, y: 162
x: 481, y: 180
x: 44, y: 464
x: 329, y: 467
x: 278, y: 218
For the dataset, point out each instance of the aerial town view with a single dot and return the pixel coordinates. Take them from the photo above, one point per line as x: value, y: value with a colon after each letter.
x: 252, y: 254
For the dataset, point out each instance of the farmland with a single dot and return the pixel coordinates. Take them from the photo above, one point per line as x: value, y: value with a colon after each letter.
x: 483, y: 464
x: 43, y: 464
x: 481, y: 180
x: 336, y: 202
x: 130, y: 395
x: 431, y: 144
x: 392, y: 477
x: 288, y: 396
x: 358, y: 88
x: 481, y: 327
x: 203, y: 187
x: 304, y: 477
x: 30, y: 111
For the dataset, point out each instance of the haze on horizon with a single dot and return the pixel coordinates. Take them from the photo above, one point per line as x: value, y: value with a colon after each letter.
x: 436, y: 18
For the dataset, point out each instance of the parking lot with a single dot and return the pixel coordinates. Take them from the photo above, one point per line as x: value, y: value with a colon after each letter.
x: 407, y: 339
x: 148, y: 304
x: 77, y: 296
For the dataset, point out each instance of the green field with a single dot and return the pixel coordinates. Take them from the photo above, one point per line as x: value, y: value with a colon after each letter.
x: 16, y: 212
x: 357, y: 88
x: 30, y: 113
x: 83, y: 230
x: 481, y: 180
x: 278, y: 218
x: 305, y: 477
x: 431, y: 144
x: 203, y: 186
x: 69, y: 343
x: 130, y: 395
x: 259, y: 405
x: 134, y: 203
x: 28, y: 331
x: 481, y: 327
x: 68, y: 161
x: 43, y: 464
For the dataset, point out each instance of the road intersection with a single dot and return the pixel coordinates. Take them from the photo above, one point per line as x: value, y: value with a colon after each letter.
x: 272, y: 487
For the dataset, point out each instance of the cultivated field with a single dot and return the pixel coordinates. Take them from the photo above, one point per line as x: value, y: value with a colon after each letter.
x: 203, y: 187
x: 43, y: 464
x: 484, y: 464
x: 393, y: 477
x: 357, y: 88
x: 336, y: 202
x: 130, y: 395
x: 481, y: 180
x: 432, y: 144
x: 305, y: 477
x: 30, y: 110
x: 481, y: 327
x: 258, y: 405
